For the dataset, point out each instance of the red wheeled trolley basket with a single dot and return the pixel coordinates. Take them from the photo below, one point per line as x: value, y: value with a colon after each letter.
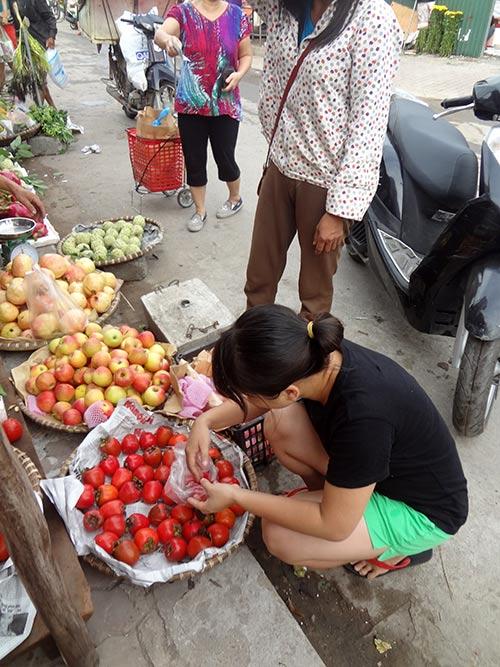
x: 158, y: 166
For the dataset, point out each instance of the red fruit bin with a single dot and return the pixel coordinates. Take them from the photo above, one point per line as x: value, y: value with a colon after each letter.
x: 157, y: 164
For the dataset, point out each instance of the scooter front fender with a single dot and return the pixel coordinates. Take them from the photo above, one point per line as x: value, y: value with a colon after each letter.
x: 482, y: 299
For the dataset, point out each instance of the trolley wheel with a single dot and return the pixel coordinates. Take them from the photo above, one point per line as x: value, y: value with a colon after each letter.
x: 185, y: 198
x: 130, y: 113
x: 169, y: 193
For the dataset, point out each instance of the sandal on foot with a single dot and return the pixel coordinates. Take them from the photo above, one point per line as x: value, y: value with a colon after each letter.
x: 409, y: 561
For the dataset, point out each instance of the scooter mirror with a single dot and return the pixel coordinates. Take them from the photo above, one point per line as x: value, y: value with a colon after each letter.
x: 487, y: 98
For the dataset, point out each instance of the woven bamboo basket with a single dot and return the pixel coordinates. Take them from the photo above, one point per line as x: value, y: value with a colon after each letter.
x: 27, y: 344
x: 210, y: 563
x: 51, y: 423
x: 153, y: 234
x: 31, y: 470
x: 24, y: 135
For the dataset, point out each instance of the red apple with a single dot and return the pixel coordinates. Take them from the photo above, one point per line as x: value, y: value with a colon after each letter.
x: 115, y: 394
x: 102, y: 358
x: 123, y: 377
x: 102, y: 376
x: 117, y: 364
x: 165, y: 366
x: 127, y: 331
x: 80, y: 405
x: 141, y: 382
x: 162, y: 379
x: 31, y: 387
x: 118, y: 354
x: 60, y: 408
x: 67, y: 345
x: 138, y: 356
x: 64, y: 373
x: 128, y: 344
x: 153, y: 362
x: 78, y: 359
x: 147, y: 338
x: 78, y: 377
x: 64, y: 392
x: 46, y: 381
x: 92, y: 346
x: 154, y: 396
x: 72, y: 417
x: 45, y: 401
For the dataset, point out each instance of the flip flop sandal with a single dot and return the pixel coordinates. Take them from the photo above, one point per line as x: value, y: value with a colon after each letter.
x: 409, y: 561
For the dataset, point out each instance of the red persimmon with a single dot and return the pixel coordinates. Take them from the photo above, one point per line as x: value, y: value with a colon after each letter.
x: 214, y: 453
x: 224, y: 469
x: 92, y: 520
x: 176, y: 438
x: 197, y: 544
x: 106, y: 541
x: 121, y: 476
x: 163, y: 435
x: 152, y: 456
x: 219, y: 534
x: 116, y: 524
x: 167, y: 529
x: 230, y: 480
x: 147, y: 440
x: 112, y: 508
x: 191, y: 528
x: 146, y: 540
x: 226, y: 517
x: 13, y: 429
x: 105, y: 493
x: 182, y: 513
x: 158, y: 513
x: 143, y: 474
x: 87, y: 498
x: 133, y: 461
x: 166, y: 498
x: 152, y: 491
x: 162, y: 473
x: 109, y: 465
x: 137, y: 521
x: 127, y: 552
x: 168, y: 457
x: 93, y: 476
x: 175, y: 549
x: 129, y: 493
x: 130, y: 444
x: 238, y: 510
x: 111, y: 447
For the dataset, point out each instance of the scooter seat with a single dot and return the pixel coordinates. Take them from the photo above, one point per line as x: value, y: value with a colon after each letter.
x: 434, y: 153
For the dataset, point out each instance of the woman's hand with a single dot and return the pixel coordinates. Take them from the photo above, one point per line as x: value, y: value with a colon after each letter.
x: 329, y: 234
x: 32, y: 202
x: 51, y: 43
x: 197, y: 448
x: 170, y: 43
x: 232, y: 82
x: 219, y: 497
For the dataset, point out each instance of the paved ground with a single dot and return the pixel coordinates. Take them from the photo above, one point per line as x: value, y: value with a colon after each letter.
x: 445, y: 613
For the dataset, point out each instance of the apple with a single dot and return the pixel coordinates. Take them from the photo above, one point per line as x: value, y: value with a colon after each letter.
x: 147, y: 338
x: 78, y: 377
x: 64, y: 372
x: 51, y: 363
x: 139, y: 369
x: 93, y: 283
x: 109, y: 279
x: 162, y: 379
x: 79, y: 405
x: 74, y: 274
x: 64, y: 392
x: 117, y: 364
x: 8, y: 312
x: 92, y: 396
x: 81, y: 338
x: 88, y: 376
x: 128, y: 331
x: 92, y: 328
x: 101, y: 358
x: 92, y: 346
x: 102, y: 376
x: 129, y: 344
x: 37, y: 370
x: 78, y: 359
x: 165, y: 366
x: 158, y: 349
x: 86, y: 264
x: 75, y: 288
x: 112, y: 337
x: 154, y: 396
x: 134, y: 395
x: 11, y: 330
x: 114, y: 394
x: 80, y: 391
x: 24, y: 320
x: 53, y: 345
x: 141, y: 382
x: 45, y: 401
x: 153, y: 363
x: 118, y: 354
x: 67, y: 346
x: 72, y: 417
x: 138, y: 356
x: 105, y: 408
x: 31, y: 387
x: 46, y: 381
x: 60, y: 408
x: 123, y: 377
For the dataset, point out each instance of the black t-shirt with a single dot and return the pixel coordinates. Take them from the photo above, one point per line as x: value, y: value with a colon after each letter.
x: 379, y: 426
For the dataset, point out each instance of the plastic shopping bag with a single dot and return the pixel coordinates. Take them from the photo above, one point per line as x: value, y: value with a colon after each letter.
x: 56, y: 72
x: 52, y: 310
x: 134, y: 47
x: 181, y: 484
x: 6, y: 46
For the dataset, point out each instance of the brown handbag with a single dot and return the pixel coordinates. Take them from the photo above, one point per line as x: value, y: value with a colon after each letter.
x: 293, y: 76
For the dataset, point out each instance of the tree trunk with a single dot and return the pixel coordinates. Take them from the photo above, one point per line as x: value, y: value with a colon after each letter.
x: 28, y: 539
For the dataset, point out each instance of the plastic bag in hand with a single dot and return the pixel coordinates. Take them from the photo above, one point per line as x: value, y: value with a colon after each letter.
x: 181, y: 484
x: 52, y: 310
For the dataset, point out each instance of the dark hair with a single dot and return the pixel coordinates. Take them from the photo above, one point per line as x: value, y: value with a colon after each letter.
x: 268, y: 348
x: 342, y: 14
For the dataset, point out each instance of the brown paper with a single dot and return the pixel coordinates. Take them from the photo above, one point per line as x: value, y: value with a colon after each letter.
x: 167, y: 130
x: 173, y: 404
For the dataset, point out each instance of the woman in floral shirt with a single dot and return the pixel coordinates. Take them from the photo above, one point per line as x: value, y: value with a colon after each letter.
x: 215, y: 43
x: 325, y: 156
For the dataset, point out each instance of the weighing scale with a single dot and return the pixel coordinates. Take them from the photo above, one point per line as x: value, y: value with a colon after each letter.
x: 14, y: 236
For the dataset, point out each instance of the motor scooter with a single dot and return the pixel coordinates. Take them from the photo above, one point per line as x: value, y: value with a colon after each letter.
x: 160, y: 73
x: 432, y: 236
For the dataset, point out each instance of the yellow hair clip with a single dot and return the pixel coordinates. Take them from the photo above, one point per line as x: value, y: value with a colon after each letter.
x: 310, y: 330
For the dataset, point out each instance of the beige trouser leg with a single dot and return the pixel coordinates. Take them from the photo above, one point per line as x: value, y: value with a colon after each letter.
x: 287, y: 207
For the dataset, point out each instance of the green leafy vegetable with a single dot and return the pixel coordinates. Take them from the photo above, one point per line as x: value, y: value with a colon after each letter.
x: 54, y: 122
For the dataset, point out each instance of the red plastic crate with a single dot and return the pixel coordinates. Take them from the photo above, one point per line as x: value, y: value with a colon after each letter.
x: 157, y: 164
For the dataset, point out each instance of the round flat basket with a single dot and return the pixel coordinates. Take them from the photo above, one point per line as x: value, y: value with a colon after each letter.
x: 153, y: 234
x: 31, y: 470
x: 51, y: 423
x: 210, y: 563
x: 25, y: 134
x: 27, y: 344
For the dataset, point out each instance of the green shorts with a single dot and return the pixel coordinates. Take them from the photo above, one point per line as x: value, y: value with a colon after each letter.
x: 400, y: 529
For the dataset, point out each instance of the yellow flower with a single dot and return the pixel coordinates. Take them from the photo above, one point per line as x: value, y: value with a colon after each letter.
x: 440, y: 8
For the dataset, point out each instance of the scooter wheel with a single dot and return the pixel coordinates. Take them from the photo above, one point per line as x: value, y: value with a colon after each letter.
x: 353, y: 254
x: 185, y: 198
x: 130, y: 113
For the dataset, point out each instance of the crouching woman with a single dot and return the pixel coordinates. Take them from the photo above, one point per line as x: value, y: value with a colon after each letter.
x: 384, y: 483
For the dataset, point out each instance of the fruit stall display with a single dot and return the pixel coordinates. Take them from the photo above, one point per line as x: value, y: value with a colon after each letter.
x: 76, y: 381
x: 95, y: 295
x: 112, y: 241
x: 116, y: 505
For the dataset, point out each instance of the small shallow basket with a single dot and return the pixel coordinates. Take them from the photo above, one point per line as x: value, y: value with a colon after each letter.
x: 49, y: 423
x: 25, y: 134
x: 27, y: 344
x: 210, y: 563
x: 153, y: 234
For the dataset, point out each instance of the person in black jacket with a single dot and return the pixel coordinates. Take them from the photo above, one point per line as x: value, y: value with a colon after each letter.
x: 42, y: 27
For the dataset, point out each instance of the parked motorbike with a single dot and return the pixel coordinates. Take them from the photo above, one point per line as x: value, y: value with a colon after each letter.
x: 432, y: 236
x: 160, y: 73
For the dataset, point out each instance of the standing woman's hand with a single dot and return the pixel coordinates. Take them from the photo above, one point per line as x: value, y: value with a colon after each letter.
x: 232, y: 81
x: 51, y: 43
x: 170, y: 43
x: 329, y: 234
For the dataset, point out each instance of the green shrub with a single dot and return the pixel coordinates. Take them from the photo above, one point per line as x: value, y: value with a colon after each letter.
x: 451, y: 27
x: 436, y: 23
